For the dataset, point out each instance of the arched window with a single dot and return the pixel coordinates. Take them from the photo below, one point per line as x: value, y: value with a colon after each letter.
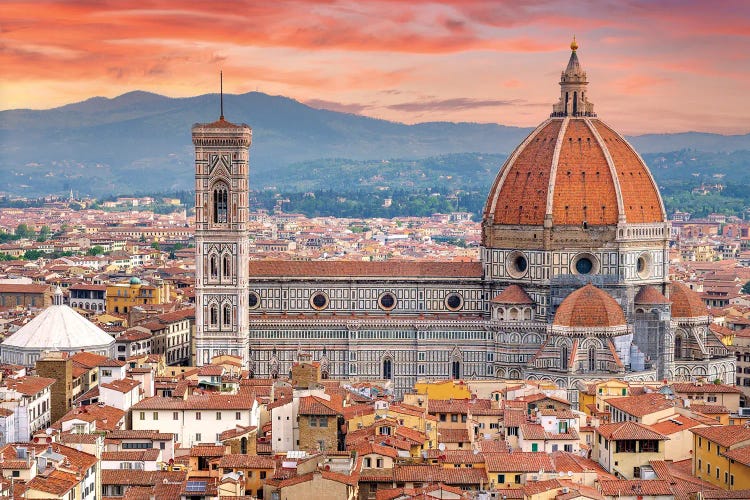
x: 387, y: 369
x: 227, y: 315
x: 227, y: 267
x: 564, y: 357
x: 678, y: 347
x: 592, y: 358
x: 575, y: 103
x: 214, y: 315
x: 214, y: 266
x: 456, y: 370
x: 220, y: 204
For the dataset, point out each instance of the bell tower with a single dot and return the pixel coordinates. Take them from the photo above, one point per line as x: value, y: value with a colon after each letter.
x: 221, y: 239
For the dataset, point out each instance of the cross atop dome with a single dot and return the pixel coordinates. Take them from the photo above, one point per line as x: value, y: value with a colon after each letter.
x: 573, y: 101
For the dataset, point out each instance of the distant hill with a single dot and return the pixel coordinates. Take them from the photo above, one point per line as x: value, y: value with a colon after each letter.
x: 141, y: 142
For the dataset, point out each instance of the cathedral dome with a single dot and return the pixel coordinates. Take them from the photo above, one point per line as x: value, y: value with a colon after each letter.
x: 685, y: 302
x: 574, y: 170
x: 589, y: 306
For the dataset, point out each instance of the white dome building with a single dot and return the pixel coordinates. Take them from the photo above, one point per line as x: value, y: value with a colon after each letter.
x: 57, y: 328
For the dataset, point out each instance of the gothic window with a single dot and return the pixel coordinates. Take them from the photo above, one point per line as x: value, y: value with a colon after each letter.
x: 678, y: 347
x: 387, y: 369
x: 214, y: 315
x: 214, y: 266
x: 227, y: 319
x: 220, y: 204
x: 456, y: 370
x: 227, y: 267
x: 564, y: 357
x: 592, y: 358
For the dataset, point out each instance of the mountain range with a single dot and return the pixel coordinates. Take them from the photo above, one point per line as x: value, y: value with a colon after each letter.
x: 140, y: 141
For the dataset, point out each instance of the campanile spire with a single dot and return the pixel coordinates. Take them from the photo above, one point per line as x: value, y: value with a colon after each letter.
x: 573, y: 100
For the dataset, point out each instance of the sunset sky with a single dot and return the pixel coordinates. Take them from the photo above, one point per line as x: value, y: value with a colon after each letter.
x: 654, y: 66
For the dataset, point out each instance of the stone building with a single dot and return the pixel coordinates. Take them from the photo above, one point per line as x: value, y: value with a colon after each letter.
x: 572, y: 283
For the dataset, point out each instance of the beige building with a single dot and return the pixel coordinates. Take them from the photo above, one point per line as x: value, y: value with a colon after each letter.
x: 623, y: 448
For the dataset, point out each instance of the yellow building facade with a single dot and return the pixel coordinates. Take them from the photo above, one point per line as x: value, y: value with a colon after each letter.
x: 122, y: 297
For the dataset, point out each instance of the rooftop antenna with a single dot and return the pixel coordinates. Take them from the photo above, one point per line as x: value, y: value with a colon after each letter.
x: 221, y: 94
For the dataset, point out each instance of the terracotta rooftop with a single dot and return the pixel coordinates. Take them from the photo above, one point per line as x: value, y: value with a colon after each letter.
x: 589, y: 306
x: 635, y: 487
x: 724, y: 435
x: 513, y: 294
x: 689, y: 388
x: 648, y: 294
x: 642, y: 404
x: 570, y: 168
x: 518, y: 462
x: 629, y: 430
x: 685, y: 302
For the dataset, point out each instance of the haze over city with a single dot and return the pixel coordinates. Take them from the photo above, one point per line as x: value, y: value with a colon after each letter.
x: 657, y: 66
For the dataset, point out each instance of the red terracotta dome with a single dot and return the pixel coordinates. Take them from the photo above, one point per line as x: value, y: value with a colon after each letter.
x: 589, y: 306
x: 685, y: 302
x: 650, y: 295
x: 573, y: 169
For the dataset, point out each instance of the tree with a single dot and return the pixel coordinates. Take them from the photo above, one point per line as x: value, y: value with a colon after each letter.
x: 23, y: 231
x: 32, y: 254
x: 44, y: 233
x: 746, y: 288
x: 95, y: 250
x: 155, y: 245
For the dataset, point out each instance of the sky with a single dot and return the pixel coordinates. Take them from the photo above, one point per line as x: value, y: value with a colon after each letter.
x: 653, y: 66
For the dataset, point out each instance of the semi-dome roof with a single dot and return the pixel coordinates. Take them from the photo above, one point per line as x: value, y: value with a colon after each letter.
x: 59, y: 327
x: 589, y: 306
x: 685, y: 302
x: 573, y: 168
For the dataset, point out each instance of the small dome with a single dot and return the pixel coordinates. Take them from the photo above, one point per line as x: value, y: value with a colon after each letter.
x: 685, y: 302
x: 589, y: 306
x: 650, y: 295
x: 135, y: 281
x: 514, y: 294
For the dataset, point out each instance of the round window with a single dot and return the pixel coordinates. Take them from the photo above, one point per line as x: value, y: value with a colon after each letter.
x: 454, y: 301
x: 517, y: 264
x: 584, y: 265
x: 387, y: 301
x: 253, y: 300
x: 643, y: 266
x: 319, y: 300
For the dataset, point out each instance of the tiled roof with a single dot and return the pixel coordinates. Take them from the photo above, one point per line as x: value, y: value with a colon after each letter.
x: 635, y: 487
x: 313, y: 405
x: 133, y: 477
x: 454, y: 435
x: 641, y: 405
x: 148, y: 455
x: 648, y: 294
x: 28, y: 386
x: 57, y: 483
x: 237, y: 461
x: 207, y: 450
x: 688, y: 388
x: 518, y: 462
x: 395, y: 269
x: 122, y: 385
x: 628, y: 430
x: 676, y: 423
x: 197, y: 402
x: 685, y: 302
x: 106, y: 417
x: 589, y: 306
x: 725, y: 435
x: 710, y: 409
x: 436, y: 473
x: 513, y: 294
x: 140, y: 434
x: 520, y: 193
x: 741, y: 455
